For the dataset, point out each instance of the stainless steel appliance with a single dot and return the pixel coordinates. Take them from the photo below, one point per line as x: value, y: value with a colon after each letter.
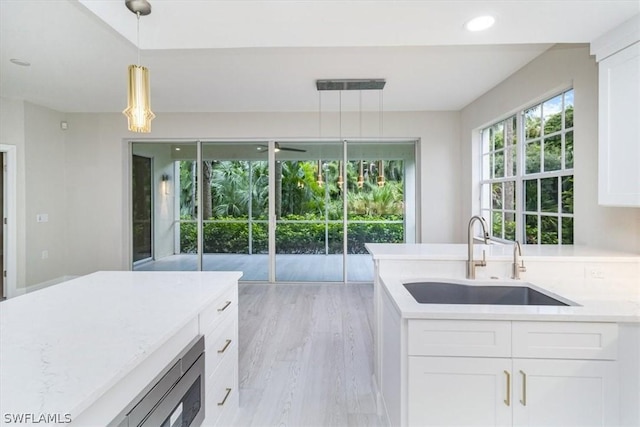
x: 176, y: 399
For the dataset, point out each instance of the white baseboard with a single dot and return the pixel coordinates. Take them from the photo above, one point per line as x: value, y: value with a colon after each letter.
x: 42, y: 285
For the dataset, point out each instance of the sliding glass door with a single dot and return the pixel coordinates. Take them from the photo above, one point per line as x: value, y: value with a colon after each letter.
x: 142, y: 203
x: 309, y: 212
x: 286, y: 211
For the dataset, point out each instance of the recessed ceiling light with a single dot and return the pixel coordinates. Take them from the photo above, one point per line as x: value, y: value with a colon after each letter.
x: 177, y: 148
x: 480, y: 23
x: 20, y: 62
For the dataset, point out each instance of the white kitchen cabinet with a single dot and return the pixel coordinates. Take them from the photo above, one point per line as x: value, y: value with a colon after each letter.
x: 503, y: 373
x: 618, y: 56
x: 219, y: 325
x: 564, y: 393
x: 459, y: 391
x: 619, y: 128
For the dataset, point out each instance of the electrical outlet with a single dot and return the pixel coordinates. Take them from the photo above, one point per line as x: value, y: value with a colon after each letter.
x: 45, y: 254
x: 596, y: 273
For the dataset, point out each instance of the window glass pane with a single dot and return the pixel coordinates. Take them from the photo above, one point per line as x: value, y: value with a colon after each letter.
x: 510, y: 226
x: 492, y: 138
x: 549, y: 194
x: 567, y: 194
x: 496, y: 195
x: 553, y: 153
x: 532, y: 118
x: 552, y: 110
x: 486, y: 196
x: 510, y: 160
x: 496, y: 224
x: 499, y: 165
x: 549, y: 230
x: 486, y: 171
x: 531, y: 195
x: 509, y: 195
x: 567, y: 231
x: 498, y: 136
x: 531, y: 229
x: 533, y: 157
x: 491, y: 162
x: 486, y: 140
x: 568, y: 109
x: 568, y: 150
x: 511, y: 132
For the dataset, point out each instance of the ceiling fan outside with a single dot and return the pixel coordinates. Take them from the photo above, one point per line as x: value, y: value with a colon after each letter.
x: 264, y: 148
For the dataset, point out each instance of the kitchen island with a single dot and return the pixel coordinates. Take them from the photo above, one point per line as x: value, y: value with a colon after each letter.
x: 81, y: 351
x: 469, y: 364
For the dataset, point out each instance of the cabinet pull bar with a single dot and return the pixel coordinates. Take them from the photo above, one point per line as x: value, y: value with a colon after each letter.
x: 223, y: 349
x: 225, y: 397
x: 524, y: 389
x: 507, y: 401
x: 224, y: 307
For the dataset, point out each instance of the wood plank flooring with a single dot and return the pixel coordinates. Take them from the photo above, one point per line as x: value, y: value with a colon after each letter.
x: 306, y: 355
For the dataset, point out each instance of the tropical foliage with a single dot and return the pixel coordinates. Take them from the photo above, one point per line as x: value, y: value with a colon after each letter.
x: 309, y: 212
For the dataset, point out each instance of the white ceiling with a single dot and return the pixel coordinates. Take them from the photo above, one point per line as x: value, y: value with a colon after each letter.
x: 233, y: 56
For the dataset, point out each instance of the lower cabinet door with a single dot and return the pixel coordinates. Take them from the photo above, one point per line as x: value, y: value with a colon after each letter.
x: 459, y: 391
x: 565, y: 393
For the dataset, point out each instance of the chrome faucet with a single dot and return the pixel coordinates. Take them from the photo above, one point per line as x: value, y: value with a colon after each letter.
x: 471, y: 264
x: 515, y: 268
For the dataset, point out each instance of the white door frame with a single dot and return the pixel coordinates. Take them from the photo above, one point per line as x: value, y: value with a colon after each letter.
x: 10, y: 212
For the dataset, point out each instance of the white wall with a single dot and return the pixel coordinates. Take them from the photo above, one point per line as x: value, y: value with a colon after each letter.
x: 45, y: 191
x: 98, y: 208
x: 12, y: 128
x: 559, y: 68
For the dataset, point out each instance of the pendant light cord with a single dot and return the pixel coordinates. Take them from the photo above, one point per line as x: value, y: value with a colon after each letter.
x: 138, y: 37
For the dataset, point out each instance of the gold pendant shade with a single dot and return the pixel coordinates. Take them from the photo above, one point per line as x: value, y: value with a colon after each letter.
x: 138, y: 109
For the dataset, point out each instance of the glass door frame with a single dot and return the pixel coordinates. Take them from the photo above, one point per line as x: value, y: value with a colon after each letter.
x: 412, y: 209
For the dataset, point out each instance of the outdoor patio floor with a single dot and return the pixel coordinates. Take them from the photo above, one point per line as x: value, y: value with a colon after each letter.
x: 289, y: 268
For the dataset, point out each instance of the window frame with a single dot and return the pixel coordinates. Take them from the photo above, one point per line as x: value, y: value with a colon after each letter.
x: 520, y: 176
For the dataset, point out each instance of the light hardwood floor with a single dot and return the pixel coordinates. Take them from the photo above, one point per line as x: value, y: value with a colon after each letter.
x: 306, y: 355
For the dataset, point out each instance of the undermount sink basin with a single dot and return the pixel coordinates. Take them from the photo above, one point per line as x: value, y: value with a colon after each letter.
x: 455, y: 293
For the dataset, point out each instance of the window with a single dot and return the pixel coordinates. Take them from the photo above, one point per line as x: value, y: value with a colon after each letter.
x: 527, y: 187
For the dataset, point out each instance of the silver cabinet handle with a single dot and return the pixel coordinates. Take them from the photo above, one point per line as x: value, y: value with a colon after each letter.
x: 224, y: 307
x: 225, y: 347
x: 225, y: 397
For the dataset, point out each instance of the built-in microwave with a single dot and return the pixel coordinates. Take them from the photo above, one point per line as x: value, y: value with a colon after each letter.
x: 176, y: 399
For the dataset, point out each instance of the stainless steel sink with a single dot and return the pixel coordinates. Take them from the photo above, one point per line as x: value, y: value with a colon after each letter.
x: 436, y: 292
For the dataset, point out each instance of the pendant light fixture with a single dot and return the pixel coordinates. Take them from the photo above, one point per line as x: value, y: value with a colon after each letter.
x: 340, y: 181
x: 138, y: 109
x: 320, y: 181
x: 381, y: 173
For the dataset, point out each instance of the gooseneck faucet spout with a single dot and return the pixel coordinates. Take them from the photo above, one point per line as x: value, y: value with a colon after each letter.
x: 515, y: 268
x: 471, y: 264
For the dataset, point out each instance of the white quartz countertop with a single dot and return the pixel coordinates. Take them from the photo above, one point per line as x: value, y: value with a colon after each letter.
x: 593, y: 305
x: 592, y: 297
x: 459, y: 251
x: 64, y: 346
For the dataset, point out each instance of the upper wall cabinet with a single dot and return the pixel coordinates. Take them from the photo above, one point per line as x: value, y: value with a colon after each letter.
x: 618, y: 56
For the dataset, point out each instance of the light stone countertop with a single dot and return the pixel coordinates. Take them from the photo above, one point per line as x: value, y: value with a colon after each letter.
x: 593, y: 306
x: 458, y: 252
x: 615, y: 300
x: 64, y: 346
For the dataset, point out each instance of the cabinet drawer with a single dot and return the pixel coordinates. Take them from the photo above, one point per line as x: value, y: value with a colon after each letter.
x: 459, y: 338
x: 221, y: 391
x: 212, y: 315
x: 565, y: 340
x: 220, y: 343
